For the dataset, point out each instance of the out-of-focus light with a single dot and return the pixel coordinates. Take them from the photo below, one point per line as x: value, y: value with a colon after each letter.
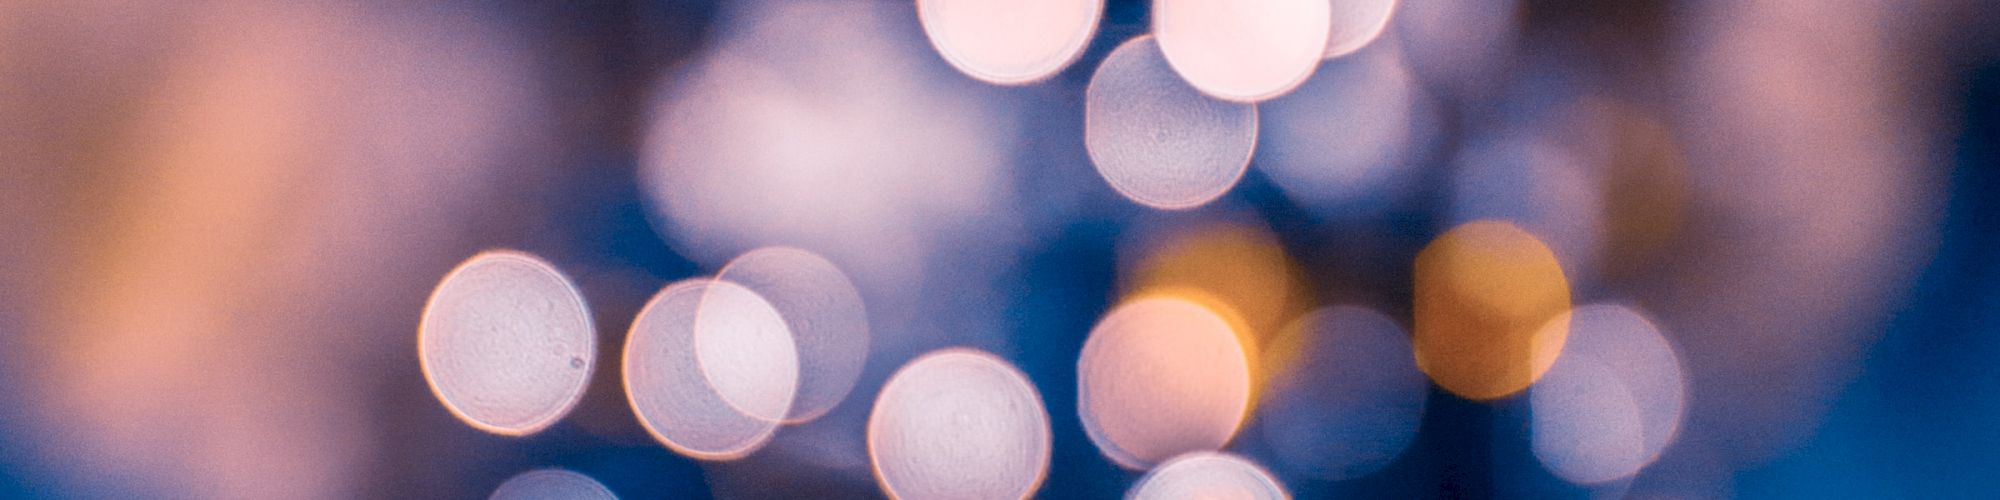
x: 1238, y: 262
x: 959, y: 423
x: 828, y: 125
x: 745, y: 350
x: 1243, y: 50
x: 1586, y: 427
x: 1483, y: 292
x: 703, y: 371
x: 1455, y: 45
x: 1161, y: 376
x: 828, y: 322
x: 1544, y: 188
x: 1207, y: 476
x: 551, y: 484
x: 1158, y: 141
x: 1355, y: 24
x: 1347, y: 136
x: 1010, y: 42
x: 1612, y: 402
x: 507, y: 343
x: 1351, y: 403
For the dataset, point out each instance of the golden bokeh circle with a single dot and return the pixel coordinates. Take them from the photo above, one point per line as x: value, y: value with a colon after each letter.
x: 1483, y: 291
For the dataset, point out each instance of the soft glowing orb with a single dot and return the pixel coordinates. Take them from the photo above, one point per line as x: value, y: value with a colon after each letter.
x: 1586, y: 428
x: 1483, y: 292
x: 551, y: 484
x: 1352, y: 401
x: 745, y: 351
x: 959, y: 423
x: 1158, y: 141
x: 1347, y: 136
x: 506, y: 343
x: 1009, y: 42
x: 828, y: 322
x: 1614, y: 399
x: 1356, y: 23
x: 1206, y: 476
x: 696, y: 341
x: 1161, y: 376
x: 1243, y: 50
x: 1235, y: 261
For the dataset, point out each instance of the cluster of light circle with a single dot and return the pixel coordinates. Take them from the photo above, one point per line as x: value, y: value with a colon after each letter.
x: 713, y: 366
x: 1170, y: 117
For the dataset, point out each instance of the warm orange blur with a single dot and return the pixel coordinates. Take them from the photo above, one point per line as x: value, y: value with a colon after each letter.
x: 1483, y: 291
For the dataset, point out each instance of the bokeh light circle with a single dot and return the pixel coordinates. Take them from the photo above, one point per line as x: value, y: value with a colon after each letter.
x: 1009, y: 42
x: 1352, y: 400
x: 1483, y: 292
x: 1356, y: 23
x: 1158, y: 141
x: 823, y: 309
x: 1161, y: 376
x: 551, y: 484
x: 1612, y: 402
x: 745, y: 350
x: 1243, y: 50
x: 507, y: 343
x: 1347, y: 137
x: 668, y: 383
x: 1206, y: 475
x: 959, y: 423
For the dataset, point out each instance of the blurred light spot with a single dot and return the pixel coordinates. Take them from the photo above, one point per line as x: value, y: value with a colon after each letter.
x: 1456, y: 45
x: 1010, y: 42
x: 1586, y: 427
x: 506, y: 343
x: 828, y: 125
x: 1614, y: 399
x: 1355, y: 24
x: 746, y: 351
x: 1243, y: 50
x: 959, y: 423
x: 1208, y: 476
x: 828, y: 323
x: 1158, y: 141
x: 1234, y: 261
x: 1161, y: 376
x: 1348, y: 135
x: 678, y: 396
x: 1544, y: 188
x: 1483, y: 292
x: 552, y: 484
x: 1352, y: 403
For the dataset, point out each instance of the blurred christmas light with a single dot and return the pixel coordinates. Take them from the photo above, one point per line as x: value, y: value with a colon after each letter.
x: 1158, y: 141
x: 1612, y: 402
x: 507, y: 343
x: 1243, y: 50
x: 824, y: 313
x: 1207, y: 475
x: 551, y: 484
x: 1160, y: 376
x: 1348, y: 140
x: 1010, y: 42
x: 1355, y: 24
x: 959, y: 423
x: 710, y: 369
x: 1483, y: 292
